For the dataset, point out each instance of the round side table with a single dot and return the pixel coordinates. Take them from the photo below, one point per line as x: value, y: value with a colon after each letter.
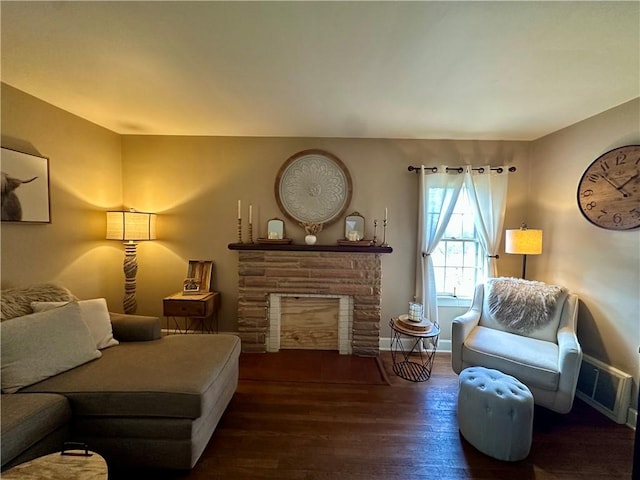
x: 413, y: 349
x: 76, y: 464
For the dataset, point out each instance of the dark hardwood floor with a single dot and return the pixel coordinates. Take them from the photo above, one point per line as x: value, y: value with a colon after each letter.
x: 406, y: 430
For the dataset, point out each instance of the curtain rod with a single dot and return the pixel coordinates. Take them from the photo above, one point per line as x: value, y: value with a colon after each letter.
x: 460, y: 169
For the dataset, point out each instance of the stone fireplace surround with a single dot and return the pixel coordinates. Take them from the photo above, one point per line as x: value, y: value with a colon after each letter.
x: 351, y: 272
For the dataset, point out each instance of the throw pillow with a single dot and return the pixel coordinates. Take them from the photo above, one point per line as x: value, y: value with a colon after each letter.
x: 38, y: 346
x: 95, y: 314
x: 523, y: 307
x: 16, y: 302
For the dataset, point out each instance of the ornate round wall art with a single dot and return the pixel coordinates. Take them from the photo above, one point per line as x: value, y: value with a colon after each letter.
x: 313, y: 186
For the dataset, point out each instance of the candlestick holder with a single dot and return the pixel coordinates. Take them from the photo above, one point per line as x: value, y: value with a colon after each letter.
x: 239, y: 230
x: 384, y: 233
x: 250, y: 232
x: 375, y: 230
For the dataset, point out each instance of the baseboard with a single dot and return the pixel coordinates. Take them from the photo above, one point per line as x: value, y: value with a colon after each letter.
x: 632, y: 418
x: 171, y: 331
x: 444, y: 346
x: 385, y: 344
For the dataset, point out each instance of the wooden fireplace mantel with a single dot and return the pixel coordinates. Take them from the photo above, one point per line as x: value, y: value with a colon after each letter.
x: 310, y: 248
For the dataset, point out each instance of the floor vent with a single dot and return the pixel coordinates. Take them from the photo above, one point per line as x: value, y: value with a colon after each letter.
x: 605, y: 388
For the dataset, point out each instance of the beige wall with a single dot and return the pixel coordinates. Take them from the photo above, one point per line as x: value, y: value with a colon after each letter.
x: 601, y: 266
x: 85, y: 179
x: 194, y: 183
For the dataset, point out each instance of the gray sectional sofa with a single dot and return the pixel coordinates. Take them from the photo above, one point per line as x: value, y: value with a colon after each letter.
x: 149, y: 401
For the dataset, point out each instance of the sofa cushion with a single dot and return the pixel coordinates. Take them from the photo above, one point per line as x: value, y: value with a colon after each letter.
x: 174, y: 443
x: 135, y: 328
x: 27, y: 418
x: 158, y: 378
x: 532, y: 361
x: 95, y: 314
x: 40, y: 345
x: 16, y: 302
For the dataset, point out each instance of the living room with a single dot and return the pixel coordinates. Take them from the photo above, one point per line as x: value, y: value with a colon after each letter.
x: 193, y: 179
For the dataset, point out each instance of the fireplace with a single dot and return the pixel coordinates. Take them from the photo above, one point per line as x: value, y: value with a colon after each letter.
x: 342, y: 331
x: 352, y: 275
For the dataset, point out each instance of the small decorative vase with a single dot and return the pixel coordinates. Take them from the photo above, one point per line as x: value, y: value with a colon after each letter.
x: 310, y: 239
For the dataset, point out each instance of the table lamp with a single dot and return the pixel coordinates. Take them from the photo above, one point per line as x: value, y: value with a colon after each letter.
x: 130, y: 227
x: 523, y: 241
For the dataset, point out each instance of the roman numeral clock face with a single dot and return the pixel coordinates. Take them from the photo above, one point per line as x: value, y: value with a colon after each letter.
x: 609, y: 190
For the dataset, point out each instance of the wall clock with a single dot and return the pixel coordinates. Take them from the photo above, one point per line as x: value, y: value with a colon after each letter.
x: 609, y: 190
x: 313, y: 187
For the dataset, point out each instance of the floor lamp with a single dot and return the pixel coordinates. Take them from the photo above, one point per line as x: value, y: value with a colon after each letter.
x: 130, y: 227
x: 523, y: 241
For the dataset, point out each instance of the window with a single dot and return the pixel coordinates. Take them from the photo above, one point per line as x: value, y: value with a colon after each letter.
x: 458, y: 258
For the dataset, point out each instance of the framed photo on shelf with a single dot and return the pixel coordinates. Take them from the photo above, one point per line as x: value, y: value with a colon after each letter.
x: 190, y: 286
x: 198, y: 277
x: 25, y: 187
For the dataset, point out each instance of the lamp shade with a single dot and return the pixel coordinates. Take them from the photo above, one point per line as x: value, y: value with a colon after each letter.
x: 523, y: 241
x: 133, y: 226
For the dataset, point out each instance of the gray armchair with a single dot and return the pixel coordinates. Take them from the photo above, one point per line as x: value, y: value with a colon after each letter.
x: 543, y: 354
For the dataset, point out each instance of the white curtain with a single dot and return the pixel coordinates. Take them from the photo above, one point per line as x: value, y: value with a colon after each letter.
x: 487, y: 191
x: 438, y: 195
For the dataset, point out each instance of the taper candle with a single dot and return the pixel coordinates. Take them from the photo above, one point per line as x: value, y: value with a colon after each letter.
x: 239, y: 210
x: 250, y: 214
x: 385, y: 213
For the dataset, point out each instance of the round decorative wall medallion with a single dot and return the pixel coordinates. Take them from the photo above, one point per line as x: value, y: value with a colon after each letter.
x: 313, y: 187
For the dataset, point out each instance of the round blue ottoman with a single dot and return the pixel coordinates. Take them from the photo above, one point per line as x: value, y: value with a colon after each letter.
x: 495, y: 413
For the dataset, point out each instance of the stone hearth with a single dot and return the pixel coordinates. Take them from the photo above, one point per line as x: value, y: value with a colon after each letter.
x: 309, y: 271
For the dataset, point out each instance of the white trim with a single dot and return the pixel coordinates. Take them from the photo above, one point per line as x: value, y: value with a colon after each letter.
x: 444, y: 346
x: 632, y: 418
x: 451, y: 301
x: 170, y: 331
x: 273, y: 335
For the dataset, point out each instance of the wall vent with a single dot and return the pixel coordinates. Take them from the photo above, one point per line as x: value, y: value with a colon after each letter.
x: 605, y: 388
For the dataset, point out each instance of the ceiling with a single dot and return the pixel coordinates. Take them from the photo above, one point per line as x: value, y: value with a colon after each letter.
x: 458, y: 70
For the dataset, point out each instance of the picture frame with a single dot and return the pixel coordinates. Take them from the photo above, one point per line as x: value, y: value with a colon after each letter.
x: 25, y: 187
x: 199, y: 273
x: 354, y: 225
x: 275, y: 233
x: 190, y: 286
x: 275, y: 229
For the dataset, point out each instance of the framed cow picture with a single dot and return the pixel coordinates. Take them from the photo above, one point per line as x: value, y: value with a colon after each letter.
x: 25, y: 187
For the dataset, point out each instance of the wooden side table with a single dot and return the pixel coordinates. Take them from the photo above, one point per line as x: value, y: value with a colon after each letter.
x: 201, y: 308
x: 413, y: 348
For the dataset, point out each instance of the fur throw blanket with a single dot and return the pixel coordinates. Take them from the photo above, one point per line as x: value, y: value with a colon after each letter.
x: 522, y: 305
x: 16, y: 302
